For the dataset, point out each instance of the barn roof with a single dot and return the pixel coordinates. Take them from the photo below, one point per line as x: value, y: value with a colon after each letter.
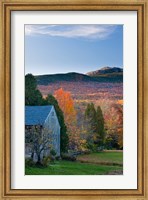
x: 36, y: 115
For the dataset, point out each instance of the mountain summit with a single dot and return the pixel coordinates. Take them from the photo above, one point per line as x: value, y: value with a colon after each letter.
x: 106, y: 70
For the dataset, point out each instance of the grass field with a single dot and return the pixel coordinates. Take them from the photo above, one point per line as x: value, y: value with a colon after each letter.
x: 96, y: 164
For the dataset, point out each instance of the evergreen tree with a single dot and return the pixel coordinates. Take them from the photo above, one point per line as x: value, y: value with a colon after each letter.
x: 50, y: 100
x: 95, y: 125
x: 90, y: 115
x: 100, y: 124
x: 91, y: 126
x: 88, y: 110
x: 32, y: 94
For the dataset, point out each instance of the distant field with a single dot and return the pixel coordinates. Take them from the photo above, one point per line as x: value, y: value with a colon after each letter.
x: 114, y: 159
x: 90, y: 91
x: 108, y: 158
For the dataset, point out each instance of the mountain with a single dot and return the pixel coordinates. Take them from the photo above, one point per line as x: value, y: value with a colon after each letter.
x: 72, y: 76
x: 106, y: 70
x: 105, y: 74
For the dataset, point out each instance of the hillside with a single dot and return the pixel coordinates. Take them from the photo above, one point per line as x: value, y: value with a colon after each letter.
x: 106, y: 74
x: 106, y: 71
x: 51, y: 78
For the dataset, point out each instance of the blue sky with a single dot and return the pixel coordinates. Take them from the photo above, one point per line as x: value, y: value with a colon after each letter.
x: 52, y: 49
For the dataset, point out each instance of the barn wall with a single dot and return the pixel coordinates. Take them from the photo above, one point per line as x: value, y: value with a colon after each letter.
x: 53, y: 125
x: 53, y: 128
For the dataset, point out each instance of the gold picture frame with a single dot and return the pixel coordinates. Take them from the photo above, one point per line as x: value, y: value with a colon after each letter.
x: 6, y: 6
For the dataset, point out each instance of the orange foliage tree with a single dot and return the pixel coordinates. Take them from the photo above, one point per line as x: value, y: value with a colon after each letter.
x: 66, y: 103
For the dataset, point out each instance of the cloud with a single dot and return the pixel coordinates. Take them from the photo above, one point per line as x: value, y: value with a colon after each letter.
x: 71, y: 31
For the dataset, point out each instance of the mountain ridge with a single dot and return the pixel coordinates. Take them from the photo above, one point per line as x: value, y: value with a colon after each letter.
x: 105, y: 74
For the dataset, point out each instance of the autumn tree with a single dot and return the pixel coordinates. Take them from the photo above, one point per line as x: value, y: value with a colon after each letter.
x: 50, y: 100
x: 32, y: 94
x: 114, y: 126
x: 119, y: 108
x: 66, y: 104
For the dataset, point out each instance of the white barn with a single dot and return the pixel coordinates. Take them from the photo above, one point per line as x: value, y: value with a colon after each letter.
x: 46, y: 118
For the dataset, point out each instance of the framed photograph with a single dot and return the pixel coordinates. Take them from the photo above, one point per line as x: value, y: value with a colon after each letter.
x: 73, y: 99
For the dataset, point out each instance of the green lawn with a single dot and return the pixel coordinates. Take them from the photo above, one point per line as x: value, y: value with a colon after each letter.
x: 72, y: 168
x: 96, y: 164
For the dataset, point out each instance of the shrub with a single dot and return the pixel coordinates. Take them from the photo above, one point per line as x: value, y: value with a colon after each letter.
x: 52, y: 158
x: 29, y: 162
x: 66, y: 156
x: 101, y: 148
x: 87, y: 151
x: 91, y: 146
x: 53, y: 152
x: 46, y: 161
x: 111, y: 142
x: 58, y: 158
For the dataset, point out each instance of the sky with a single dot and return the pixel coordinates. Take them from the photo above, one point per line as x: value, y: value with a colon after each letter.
x: 53, y: 49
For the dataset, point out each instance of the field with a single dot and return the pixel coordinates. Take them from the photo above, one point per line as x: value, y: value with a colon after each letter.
x: 93, y: 164
x: 86, y: 91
